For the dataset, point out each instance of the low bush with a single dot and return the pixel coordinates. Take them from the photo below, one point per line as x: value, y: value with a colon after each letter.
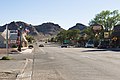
x: 6, y: 58
x: 14, y: 46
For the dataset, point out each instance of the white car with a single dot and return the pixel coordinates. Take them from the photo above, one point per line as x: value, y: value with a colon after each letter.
x: 89, y: 45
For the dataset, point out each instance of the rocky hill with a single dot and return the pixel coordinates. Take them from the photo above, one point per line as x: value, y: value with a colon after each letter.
x: 49, y: 28
x: 78, y: 26
x: 45, y: 29
x: 15, y: 25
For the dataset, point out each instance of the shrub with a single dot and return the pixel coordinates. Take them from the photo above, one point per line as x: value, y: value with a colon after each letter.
x: 6, y: 58
x: 14, y: 46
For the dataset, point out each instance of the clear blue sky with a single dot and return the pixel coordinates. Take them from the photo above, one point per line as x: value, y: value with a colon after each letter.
x: 66, y: 13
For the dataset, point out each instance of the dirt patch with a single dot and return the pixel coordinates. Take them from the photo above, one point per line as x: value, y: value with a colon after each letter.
x: 4, y: 51
x: 7, y: 76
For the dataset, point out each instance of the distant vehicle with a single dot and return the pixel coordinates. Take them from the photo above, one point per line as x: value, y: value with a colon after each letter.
x: 14, y: 52
x: 41, y: 45
x: 104, y: 44
x: 64, y: 45
x: 30, y: 46
x: 77, y: 45
x: 89, y: 44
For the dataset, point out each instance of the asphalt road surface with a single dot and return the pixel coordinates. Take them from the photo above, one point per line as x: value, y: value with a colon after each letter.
x: 55, y: 63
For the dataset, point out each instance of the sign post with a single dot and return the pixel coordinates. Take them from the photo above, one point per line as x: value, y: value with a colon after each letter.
x: 7, y: 40
x: 19, y: 37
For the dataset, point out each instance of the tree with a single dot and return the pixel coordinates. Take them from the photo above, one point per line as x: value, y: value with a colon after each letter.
x: 106, y: 18
x: 53, y: 39
x: 89, y: 32
x: 29, y: 38
x: 68, y: 35
x: 73, y: 34
x: 62, y: 36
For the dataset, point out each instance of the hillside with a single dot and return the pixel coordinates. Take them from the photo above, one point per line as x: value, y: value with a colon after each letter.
x: 46, y: 29
x: 49, y: 28
x: 78, y: 26
x: 15, y: 25
x: 41, y: 31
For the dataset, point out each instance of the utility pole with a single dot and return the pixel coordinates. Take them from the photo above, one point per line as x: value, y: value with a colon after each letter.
x: 7, y: 40
x: 20, y: 38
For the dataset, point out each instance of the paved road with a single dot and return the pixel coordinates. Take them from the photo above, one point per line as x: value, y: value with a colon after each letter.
x: 55, y: 63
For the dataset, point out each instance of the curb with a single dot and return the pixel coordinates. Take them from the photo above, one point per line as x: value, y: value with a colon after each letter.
x: 20, y: 75
x: 26, y: 52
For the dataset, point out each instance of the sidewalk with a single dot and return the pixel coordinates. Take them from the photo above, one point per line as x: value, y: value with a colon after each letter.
x: 10, y: 69
x: 26, y: 50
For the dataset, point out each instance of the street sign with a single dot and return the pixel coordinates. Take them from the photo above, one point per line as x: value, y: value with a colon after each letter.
x: 66, y: 41
x: 106, y: 34
x: 12, y: 41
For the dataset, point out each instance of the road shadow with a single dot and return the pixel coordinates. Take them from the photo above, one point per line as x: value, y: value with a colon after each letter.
x: 110, y: 49
x: 94, y: 50
x: 114, y: 49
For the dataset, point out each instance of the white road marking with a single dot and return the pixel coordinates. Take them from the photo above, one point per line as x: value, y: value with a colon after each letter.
x: 83, y: 56
x: 43, y: 52
x: 51, y: 58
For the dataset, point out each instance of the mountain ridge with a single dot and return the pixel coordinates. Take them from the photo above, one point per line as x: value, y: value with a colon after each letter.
x: 43, y: 29
x: 78, y: 26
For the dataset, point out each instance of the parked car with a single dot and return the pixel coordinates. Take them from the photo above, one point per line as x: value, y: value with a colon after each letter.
x: 89, y: 44
x: 30, y: 46
x: 64, y: 45
x: 14, y: 52
x: 77, y: 45
x: 104, y: 44
x: 41, y: 45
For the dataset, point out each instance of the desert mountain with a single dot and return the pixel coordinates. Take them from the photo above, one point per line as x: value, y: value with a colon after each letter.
x: 78, y: 26
x: 49, y: 28
x: 44, y: 29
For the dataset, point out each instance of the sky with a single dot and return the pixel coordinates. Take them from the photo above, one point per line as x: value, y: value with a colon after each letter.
x: 66, y: 13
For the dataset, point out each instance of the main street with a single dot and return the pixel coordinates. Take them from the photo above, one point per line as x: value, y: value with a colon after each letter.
x: 55, y: 63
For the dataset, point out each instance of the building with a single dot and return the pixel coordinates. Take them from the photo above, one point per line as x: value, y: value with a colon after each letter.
x: 13, y: 39
x: 2, y: 42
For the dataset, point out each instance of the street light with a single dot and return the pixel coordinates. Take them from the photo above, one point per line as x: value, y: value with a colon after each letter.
x: 20, y: 38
